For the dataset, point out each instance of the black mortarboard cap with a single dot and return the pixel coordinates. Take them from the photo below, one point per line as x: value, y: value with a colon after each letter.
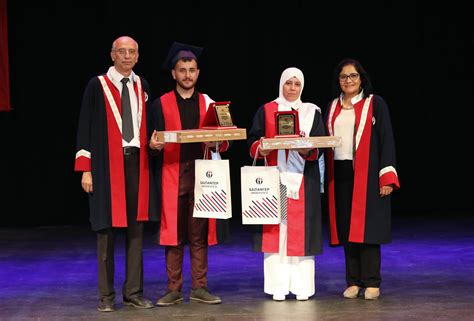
x: 178, y: 51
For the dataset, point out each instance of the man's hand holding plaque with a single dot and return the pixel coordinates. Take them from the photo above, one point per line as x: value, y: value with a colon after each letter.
x: 212, y: 145
x: 155, y: 142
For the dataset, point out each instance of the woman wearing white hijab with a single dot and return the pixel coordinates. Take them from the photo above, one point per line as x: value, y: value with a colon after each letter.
x: 290, y: 246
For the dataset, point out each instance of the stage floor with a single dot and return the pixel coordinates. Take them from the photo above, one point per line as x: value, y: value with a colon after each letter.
x: 49, y: 273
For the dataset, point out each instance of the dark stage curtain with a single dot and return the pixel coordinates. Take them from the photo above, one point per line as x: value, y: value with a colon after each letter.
x: 4, y: 72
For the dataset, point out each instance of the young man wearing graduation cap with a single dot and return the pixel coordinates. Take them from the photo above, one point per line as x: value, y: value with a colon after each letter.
x: 182, y: 108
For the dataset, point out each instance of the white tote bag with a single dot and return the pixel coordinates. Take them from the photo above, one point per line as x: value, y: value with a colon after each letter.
x: 260, y: 191
x: 212, y: 197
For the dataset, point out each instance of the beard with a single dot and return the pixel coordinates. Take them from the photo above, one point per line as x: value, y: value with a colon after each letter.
x: 189, y: 84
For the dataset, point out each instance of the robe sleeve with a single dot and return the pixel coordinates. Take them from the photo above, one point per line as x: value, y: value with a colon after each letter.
x: 156, y: 121
x: 256, y: 132
x: 83, y: 146
x: 224, y: 146
x: 317, y: 129
x: 383, y: 127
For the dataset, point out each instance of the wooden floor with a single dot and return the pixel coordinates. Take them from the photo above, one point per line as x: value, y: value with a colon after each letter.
x: 49, y: 273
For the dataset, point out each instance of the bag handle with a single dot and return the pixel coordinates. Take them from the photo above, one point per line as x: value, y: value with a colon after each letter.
x: 207, y: 151
x: 256, y: 156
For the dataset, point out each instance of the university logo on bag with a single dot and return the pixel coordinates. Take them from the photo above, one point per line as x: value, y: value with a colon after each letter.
x: 260, y: 194
x: 263, y: 204
x: 213, y: 199
x: 212, y: 196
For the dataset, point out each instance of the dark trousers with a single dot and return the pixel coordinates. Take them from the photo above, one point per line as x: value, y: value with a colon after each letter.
x: 362, y: 260
x: 133, y: 284
x: 363, y: 265
x: 190, y: 230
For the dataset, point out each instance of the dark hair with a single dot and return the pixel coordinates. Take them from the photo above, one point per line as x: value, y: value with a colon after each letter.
x: 186, y: 59
x: 366, y: 84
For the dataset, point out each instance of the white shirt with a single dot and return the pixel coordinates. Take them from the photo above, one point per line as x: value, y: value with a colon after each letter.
x: 344, y: 126
x: 116, y: 78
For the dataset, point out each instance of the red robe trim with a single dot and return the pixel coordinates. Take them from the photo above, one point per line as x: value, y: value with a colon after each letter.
x: 116, y: 164
x: 388, y: 176
x: 296, y: 225
x: 363, y: 130
x: 296, y: 208
x: 170, y: 173
x: 271, y: 233
x: 144, y: 178
x: 363, y: 125
x: 83, y: 161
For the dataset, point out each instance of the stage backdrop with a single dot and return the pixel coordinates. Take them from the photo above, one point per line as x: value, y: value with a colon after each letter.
x: 418, y: 56
x: 4, y: 74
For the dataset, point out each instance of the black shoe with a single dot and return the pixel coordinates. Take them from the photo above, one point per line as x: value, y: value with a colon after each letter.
x: 138, y: 302
x: 202, y: 295
x: 170, y: 298
x: 105, y: 306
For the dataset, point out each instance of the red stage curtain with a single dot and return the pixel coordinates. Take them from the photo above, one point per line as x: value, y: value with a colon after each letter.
x: 4, y: 73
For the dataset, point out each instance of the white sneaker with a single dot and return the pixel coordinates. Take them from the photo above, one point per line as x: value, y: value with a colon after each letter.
x: 372, y: 293
x: 302, y: 297
x: 351, y: 292
x: 279, y: 297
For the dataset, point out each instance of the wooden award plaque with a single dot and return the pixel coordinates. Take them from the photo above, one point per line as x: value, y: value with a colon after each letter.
x: 201, y: 135
x: 301, y: 142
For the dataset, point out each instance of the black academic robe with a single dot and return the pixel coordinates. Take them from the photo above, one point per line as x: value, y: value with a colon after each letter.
x: 164, y: 115
x: 304, y: 219
x: 99, y: 150
x: 374, y: 166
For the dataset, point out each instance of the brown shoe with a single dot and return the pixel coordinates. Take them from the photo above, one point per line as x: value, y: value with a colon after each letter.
x: 170, y: 298
x: 372, y: 293
x: 138, y: 302
x: 351, y: 292
x: 202, y: 295
x: 105, y: 306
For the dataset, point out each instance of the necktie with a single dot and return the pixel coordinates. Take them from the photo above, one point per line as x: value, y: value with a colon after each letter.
x: 127, y: 122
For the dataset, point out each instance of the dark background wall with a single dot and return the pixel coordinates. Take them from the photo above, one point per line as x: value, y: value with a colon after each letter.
x: 418, y: 56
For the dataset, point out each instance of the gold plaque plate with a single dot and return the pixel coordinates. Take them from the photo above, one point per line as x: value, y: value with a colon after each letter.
x: 286, y: 124
x: 224, y: 117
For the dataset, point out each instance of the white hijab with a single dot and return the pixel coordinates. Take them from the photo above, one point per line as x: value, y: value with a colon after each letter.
x: 289, y: 73
x: 291, y: 169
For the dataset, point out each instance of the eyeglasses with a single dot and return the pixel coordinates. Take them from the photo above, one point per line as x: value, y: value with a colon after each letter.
x: 354, y: 76
x: 123, y: 51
